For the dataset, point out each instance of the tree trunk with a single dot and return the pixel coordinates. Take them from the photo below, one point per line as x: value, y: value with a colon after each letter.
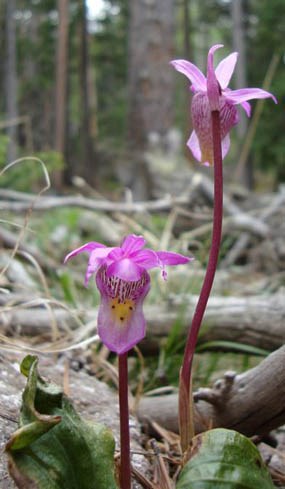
x: 241, y: 79
x: 151, y: 80
x: 187, y: 29
x: 11, y: 78
x: 61, y: 80
x: 87, y: 150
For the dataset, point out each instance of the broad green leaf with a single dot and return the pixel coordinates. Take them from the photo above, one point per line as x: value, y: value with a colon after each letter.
x: 224, y: 459
x: 53, y: 447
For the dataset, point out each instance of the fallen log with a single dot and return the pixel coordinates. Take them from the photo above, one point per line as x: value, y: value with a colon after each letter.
x: 256, y: 320
x: 252, y: 403
x: 15, y: 241
x: 253, y: 320
x: 51, y: 202
x: 241, y: 218
x: 198, y: 184
x: 244, y: 239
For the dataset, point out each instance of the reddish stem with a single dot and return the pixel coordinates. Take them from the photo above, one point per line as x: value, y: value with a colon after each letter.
x: 185, y: 376
x: 125, y: 465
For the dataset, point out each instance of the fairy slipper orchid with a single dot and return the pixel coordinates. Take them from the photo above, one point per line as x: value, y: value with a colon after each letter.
x: 123, y: 281
x: 212, y: 93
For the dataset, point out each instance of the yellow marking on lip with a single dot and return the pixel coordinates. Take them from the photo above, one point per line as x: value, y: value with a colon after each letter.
x: 207, y: 155
x: 122, y: 310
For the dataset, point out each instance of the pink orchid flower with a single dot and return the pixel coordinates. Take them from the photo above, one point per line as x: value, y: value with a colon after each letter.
x: 212, y: 93
x: 123, y: 281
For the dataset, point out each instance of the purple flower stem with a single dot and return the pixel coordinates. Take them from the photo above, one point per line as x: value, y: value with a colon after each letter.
x: 187, y: 424
x: 125, y: 465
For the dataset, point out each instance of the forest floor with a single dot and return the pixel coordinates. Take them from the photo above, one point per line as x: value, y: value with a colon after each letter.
x: 46, y: 310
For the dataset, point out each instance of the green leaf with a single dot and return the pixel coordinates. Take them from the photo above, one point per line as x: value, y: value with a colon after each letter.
x: 53, y: 447
x: 224, y: 459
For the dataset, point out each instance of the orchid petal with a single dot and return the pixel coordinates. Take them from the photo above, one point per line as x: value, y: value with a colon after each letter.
x: 119, y: 337
x: 123, y: 281
x: 247, y: 108
x: 192, y: 72
x: 228, y: 116
x: 213, y: 88
x: 132, y: 243
x: 212, y: 94
x: 89, y: 247
x: 225, y: 69
x: 125, y: 269
x: 201, y: 119
x: 244, y: 94
x: 194, y: 145
x: 116, y: 254
x: 170, y: 258
x: 121, y: 323
x: 226, y: 142
x: 210, y: 62
x: 97, y: 258
x: 146, y: 258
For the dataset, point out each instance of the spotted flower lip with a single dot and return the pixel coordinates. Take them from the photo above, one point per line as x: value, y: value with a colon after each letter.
x: 123, y: 281
x: 212, y: 93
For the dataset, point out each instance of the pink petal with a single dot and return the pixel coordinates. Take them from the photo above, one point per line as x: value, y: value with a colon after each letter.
x: 226, y: 145
x: 117, y: 336
x: 201, y: 119
x: 244, y: 94
x: 126, y: 269
x: 247, y: 108
x: 193, y: 73
x: 213, y: 89
x: 121, y: 327
x: 210, y: 63
x: 116, y: 254
x: 245, y: 105
x: 170, y: 258
x: 194, y: 146
x: 228, y: 115
x: 132, y: 243
x: 89, y: 247
x: 146, y: 259
x: 97, y: 258
x: 225, y: 69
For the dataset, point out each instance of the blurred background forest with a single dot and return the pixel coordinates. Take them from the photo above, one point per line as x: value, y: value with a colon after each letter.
x: 87, y: 86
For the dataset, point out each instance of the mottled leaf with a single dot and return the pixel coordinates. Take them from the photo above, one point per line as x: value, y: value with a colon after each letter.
x: 54, y: 448
x: 224, y: 459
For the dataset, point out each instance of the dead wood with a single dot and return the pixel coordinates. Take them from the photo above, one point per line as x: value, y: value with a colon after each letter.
x: 198, y: 185
x: 256, y: 320
x: 244, y: 239
x: 252, y: 402
x: 32, y: 321
x: 24, y: 202
x: 274, y: 458
x: 241, y: 218
x: 11, y: 240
